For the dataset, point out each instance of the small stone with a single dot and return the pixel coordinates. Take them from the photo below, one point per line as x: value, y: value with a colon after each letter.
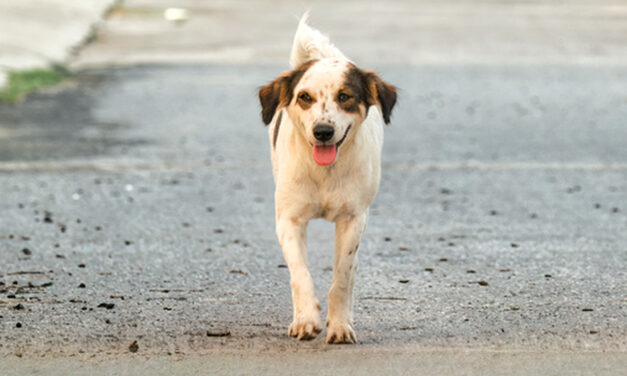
x: 236, y: 271
x: 26, y: 251
x: 106, y: 305
x: 133, y: 347
x: 483, y: 283
x: 218, y: 333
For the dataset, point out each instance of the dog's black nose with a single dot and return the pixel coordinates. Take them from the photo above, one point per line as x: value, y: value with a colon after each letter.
x: 323, y: 132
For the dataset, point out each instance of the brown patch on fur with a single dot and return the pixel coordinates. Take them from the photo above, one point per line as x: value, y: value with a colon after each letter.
x: 276, y: 129
x: 354, y: 250
x: 368, y: 88
x: 354, y: 88
x: 279, y: 92
x: 305, y: 105
x: 318, y: 306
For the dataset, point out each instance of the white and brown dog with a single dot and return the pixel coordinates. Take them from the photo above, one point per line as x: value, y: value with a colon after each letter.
x: 326, y: 132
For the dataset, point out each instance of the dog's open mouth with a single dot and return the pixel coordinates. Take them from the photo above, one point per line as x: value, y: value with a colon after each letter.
x: 324, y: 155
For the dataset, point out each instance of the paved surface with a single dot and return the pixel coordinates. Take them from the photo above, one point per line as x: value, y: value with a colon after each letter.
x: 397, y: 31
x: 38, y: 33
x: 186, y: 183
x: 342, y: 360
x: 137, y: 206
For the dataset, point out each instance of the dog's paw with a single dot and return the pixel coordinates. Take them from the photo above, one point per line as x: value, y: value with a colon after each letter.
x: 340, y: 332
x: 305, y: 329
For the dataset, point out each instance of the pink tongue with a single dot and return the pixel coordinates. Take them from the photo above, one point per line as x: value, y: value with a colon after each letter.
x: 324, y: 154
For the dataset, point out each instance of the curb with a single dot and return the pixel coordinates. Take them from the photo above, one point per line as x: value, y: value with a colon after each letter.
x: 54, y: 35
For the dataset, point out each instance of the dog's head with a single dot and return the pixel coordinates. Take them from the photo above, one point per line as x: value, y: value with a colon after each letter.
x: 327, y: 100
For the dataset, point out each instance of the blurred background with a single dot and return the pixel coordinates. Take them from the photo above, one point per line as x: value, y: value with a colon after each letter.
x: 131, y: 144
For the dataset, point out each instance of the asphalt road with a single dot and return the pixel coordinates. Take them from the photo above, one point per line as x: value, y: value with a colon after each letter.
x: 137, y: 206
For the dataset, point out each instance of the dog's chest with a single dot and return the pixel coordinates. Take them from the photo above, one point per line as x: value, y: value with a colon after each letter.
x: 344, y: 195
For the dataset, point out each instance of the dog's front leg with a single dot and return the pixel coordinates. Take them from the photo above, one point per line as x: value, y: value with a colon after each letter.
x: 348, y: 233
x: 292, y: 236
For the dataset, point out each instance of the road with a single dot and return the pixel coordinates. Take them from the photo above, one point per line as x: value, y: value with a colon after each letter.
x: 137, y: 206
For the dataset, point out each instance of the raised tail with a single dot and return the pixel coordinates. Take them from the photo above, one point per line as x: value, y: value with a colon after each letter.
x: 311, y: 44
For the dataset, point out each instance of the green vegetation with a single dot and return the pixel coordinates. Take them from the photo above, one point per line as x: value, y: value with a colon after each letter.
x: 24, y: 82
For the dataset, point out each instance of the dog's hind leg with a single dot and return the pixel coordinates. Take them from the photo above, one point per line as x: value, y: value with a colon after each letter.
x: 348, y: 233
x: 292, y: 236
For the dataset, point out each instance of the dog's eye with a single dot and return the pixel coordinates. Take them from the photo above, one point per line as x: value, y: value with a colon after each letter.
x: 305, y: 97
x: 343, y: 97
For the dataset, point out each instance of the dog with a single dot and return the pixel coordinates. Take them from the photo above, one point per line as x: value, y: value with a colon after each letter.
x: 325, y: 119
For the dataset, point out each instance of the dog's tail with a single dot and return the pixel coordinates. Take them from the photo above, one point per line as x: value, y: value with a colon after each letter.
x: 310, y: 44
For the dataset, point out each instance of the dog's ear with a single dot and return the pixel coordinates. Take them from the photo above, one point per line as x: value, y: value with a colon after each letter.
x: 380, y: 91
x: 273, y: 94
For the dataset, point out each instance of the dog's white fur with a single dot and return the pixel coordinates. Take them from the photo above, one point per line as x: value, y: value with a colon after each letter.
x: 340, y: 192
x: 311, y: 44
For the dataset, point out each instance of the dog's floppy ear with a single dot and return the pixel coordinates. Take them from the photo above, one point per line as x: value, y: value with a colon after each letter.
x: 273, y: 94
x: 380, y: 91
x: 279, y: 92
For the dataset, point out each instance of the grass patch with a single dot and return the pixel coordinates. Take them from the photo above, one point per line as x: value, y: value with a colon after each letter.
x: 22, y: 83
